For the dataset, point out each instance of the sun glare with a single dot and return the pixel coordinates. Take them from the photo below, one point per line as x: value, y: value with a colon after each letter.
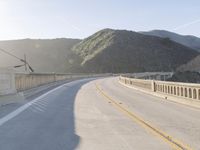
x: 2, y: 8
x: 7, y: 25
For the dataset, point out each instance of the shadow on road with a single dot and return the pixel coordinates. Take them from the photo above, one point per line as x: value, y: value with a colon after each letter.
x: 47, y: 125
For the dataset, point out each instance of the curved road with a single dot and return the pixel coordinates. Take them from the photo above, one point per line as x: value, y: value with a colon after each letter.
x: 100, y: 114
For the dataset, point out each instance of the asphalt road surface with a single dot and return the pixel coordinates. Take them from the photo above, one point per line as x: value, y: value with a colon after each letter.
x: 100, y: 114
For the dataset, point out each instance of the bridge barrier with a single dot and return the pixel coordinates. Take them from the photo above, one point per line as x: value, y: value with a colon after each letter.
x: 150, y: 75
x: 144, y: 84
x: 189, y: 91
x: 7, y: 81
x: 28, y: 81
x: 11, y: 82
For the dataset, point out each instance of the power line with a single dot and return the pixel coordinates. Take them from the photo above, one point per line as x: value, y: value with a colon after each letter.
x: 22, y: 60
x: 10, y: 54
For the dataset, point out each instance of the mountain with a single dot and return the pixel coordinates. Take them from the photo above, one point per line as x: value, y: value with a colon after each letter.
x: 186, y: 76
x: 116, y: 51
x: 47, y: 55
x: 127, y: 51
x: 193, y: 65
x: 188, y: 40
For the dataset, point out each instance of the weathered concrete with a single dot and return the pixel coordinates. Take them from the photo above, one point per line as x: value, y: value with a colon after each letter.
x: 28, y: 81
x: 179, y: 121
x: 150, y: 75
x: 12, y: 86
x: 7, y: 81
x: 186, y: 93
x: 77, y: 117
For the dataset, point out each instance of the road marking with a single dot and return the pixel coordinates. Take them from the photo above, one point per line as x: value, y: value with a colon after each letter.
x: 175, y: 144
x: 27, y: 105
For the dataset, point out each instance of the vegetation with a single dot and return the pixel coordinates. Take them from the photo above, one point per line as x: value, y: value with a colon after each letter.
x: 193, y: 65
x: 114, y: 51
x: 188, y: 40
x: 126, y: 51
x: 186, y: 76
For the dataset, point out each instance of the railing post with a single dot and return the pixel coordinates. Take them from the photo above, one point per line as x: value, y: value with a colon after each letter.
x: 54, y: 77
x: 153, y: 86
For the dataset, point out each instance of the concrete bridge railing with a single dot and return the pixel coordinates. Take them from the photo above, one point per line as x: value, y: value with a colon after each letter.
x: 11, y: 82
x: 7, y: 82
x: 176, y: 89
x: 27, y: 81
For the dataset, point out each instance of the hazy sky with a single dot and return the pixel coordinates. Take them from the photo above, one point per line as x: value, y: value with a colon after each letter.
x: 81, y: 18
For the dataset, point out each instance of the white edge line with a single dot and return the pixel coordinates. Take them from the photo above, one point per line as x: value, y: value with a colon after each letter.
x: 27, y: 105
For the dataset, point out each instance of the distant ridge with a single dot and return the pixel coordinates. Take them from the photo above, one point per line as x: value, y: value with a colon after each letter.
x: 108, y: 50
x: 193, y: 65
x: 187, y: 40
x: 44, y: 55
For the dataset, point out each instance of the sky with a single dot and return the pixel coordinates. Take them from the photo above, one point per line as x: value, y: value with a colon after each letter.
x: 41, y: 19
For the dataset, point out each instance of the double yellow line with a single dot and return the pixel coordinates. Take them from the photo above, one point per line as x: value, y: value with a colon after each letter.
x: 174, y: 143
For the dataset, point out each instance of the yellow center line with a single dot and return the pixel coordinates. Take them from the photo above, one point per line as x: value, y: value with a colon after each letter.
x: 174, y: 143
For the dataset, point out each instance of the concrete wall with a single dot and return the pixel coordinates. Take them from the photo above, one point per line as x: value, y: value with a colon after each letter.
x: 150, y: 75
x: 28, y: 81
x: 11, y: 82
x: 176, y: 89
x: 185, y: 90
x: 7, y: 82
x: 145, y: 84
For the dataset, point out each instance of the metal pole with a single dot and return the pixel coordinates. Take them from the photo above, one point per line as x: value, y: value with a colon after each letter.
x: 25, y: 63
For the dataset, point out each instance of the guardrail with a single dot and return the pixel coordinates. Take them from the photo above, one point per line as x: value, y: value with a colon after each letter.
x: 27, y: 81
x: 177, y: 89
x: 145, y: 84
x: 150, y: 75
x: 7, y: 82
x: 11, y: 82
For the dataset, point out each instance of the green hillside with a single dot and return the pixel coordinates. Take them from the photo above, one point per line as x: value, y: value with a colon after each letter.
x: 113, y: 51
x: 126, y: 51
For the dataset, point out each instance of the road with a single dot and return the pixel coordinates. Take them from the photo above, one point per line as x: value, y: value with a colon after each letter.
x: 99, y: 114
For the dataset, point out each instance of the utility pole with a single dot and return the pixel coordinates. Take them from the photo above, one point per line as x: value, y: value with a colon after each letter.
x: 25, y: 63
